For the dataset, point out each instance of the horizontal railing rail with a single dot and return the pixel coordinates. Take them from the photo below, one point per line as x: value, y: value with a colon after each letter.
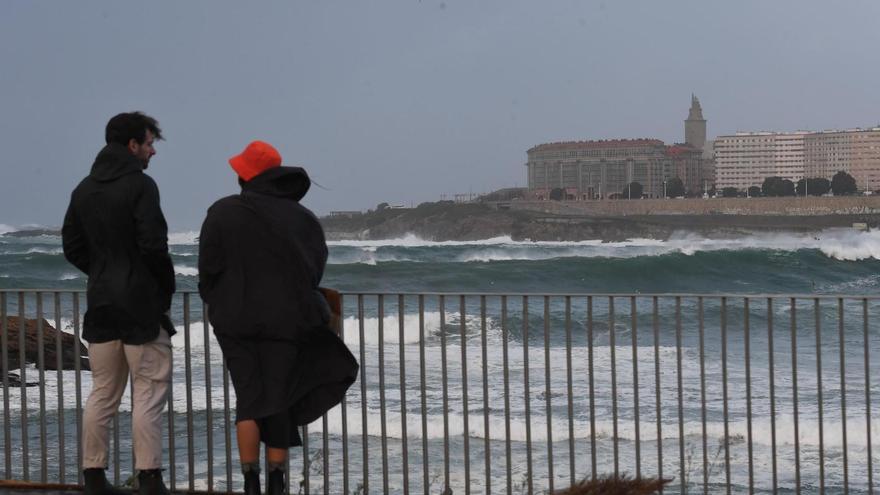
x: 497, y: 393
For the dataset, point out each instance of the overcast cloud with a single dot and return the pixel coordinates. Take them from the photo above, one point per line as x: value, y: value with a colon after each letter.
x: 402, y: 101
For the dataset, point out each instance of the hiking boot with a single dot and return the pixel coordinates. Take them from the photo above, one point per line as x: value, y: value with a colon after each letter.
x: 252, y: 483
x: 96, y: 483
x: 150, y: 483
x: 275, y: 483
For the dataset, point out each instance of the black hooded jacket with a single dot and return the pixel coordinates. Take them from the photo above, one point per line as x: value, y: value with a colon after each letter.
x: 261, y: 258
x: 115, y: 232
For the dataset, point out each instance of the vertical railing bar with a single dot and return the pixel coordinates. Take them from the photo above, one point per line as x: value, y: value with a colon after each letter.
x: 547, y: 392
x: 306, y: 482
x: 702, y: 332
x: 25, y: 457
x: 424, y: 388
x: 325, y: 452
x: 568, y: 378
x: 818, y: 325
x: 526, y: 393
x: 172, y: 465
x: 382, y: 414
x: 725, y: 400
x: 445, y: 385
x: 59, y: 380
x: 747, y: 334
x: 403, y: 434
x: 41, y: 369
x: 344, y: 407
x: 486, y: 435
x: 116, y: 449
x: 772, y: 378
x: 682, y: 473
x: 656, y: 325
x: 843, y: 394
x: 633, y: 317
x: 613, y: 345
x: 593, y: 468
x: 78, y: 374
x: 506, y: 373
x: 227, y: 427
x: 209, y: 403
x: 868, y: 396
x: 4, y: 361
x: 464, y: 394
x: 190, y: 454
x: 794, y: 385
x: 131, y: 420
x: 364, y: 437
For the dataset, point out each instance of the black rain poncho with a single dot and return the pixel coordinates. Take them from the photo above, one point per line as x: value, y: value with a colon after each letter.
x: 261, y: 258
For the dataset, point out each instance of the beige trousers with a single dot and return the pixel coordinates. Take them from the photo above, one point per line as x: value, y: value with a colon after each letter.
x: 150, y: 368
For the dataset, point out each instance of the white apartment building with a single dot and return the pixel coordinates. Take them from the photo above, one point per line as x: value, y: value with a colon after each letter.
x: 747, y: 158
x: 855, y: 151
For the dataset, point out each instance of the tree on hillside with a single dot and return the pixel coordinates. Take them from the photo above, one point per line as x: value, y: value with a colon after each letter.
x: 674, y: 188
x: 842, y: 184
x: 633, y: 190
x: 812, y: 186
x: 729, y: 192
x: 754, y: 191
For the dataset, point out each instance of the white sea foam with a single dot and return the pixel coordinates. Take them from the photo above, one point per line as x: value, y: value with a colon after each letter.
x: 840, y: 244
x: 5, y: 229
x: 186, y: 271
x: 183, y: 238
x: 70, y: 276
x: 411, y: 240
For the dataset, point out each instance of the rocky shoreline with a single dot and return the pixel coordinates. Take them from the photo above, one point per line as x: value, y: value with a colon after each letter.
x: 465, y: 222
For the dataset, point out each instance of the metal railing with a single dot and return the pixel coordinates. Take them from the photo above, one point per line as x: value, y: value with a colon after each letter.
x: 513, y: 393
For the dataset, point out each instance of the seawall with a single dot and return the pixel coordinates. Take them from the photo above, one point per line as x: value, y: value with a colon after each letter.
x: 789, y: 206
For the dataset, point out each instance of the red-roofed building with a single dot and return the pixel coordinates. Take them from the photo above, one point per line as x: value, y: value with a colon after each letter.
x: 584, y: 170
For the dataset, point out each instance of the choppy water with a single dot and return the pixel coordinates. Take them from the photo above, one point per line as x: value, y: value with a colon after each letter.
x: 832, y: 262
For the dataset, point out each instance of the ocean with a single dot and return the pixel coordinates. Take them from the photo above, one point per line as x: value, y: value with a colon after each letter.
x: 836, y: 262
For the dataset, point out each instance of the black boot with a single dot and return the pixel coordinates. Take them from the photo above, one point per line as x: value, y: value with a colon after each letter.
x: 252, y: 483
x: 150, y: 483
x: 275, y: 483
x: 96, y: 483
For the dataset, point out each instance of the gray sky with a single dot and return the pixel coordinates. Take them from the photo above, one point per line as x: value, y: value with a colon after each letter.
x: 402, y: 101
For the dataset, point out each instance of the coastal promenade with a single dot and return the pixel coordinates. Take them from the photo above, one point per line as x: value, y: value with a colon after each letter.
x: 502, y: 393
x: 769, y: 206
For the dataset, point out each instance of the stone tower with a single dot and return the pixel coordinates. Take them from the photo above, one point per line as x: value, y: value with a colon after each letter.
x: 695, y: 125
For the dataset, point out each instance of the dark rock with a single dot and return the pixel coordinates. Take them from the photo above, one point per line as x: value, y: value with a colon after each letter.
x: 71, y: 348
x: 15, y: 381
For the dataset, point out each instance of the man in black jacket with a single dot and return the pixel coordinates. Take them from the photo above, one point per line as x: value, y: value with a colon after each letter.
x: 114, y: 231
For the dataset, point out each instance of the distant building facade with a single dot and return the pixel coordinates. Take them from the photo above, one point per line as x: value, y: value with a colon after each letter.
x: 855, y: 151
x: 596, y: 169
x: 745, y: 159
x: 585, y: 170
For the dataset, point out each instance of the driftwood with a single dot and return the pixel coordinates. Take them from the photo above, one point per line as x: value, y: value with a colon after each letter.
x: 71, y: 348
x: 611, y: 485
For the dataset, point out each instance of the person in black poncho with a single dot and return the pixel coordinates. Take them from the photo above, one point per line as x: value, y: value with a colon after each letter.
x: 261, y: 258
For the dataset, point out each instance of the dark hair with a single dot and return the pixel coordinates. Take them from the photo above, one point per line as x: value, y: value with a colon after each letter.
x: 131, y: 125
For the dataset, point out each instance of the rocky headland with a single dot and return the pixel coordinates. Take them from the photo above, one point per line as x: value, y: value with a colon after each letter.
x: 612, y: 221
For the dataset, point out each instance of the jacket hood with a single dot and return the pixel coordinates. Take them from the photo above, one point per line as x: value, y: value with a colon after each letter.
x: 284, y: 182
x: 114, y: 161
